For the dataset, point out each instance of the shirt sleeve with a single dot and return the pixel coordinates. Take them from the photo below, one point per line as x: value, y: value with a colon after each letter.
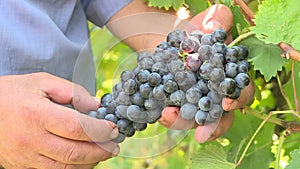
x: 100, y: 11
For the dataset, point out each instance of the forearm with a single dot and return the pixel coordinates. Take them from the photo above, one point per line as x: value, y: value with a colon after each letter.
x: 141, y: 27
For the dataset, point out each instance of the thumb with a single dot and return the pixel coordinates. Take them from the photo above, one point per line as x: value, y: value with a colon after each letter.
x: 216, y: 16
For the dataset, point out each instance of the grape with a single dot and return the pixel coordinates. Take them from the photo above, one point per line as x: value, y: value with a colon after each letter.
x: 232, y: 54
x: 159, y: 93
x: 192, y: 62
x: 202, y: 86
x: 243, y: 66
x: 153, y: 115
x: 188, y: 111
x: 236, y: 94
x: 174, y: 38
x: 197, y: 33
x: 217, y: 75
x: 146, y: 63
x: 137, y: 99
x: 123, y: 99
x: 189, y: 44
x: 154, y: 79
x: 215, y: 96
x: 170, y: 86
x: 135, y: 114
x: 231, y: 69
x: 177, y: 98
x: 219, y: 35
x: 92, y: 114
x: 121, y: 111
x: 129, y: 86
x: 145, y: 90
x: 176, y: 66
x: 200, y: 117
x: 205, y: 70
x: 216, y: 111
x: 228, y: 86
x: 139, y: 126
x: 193, y: 95
x: 205, y: 103
x: 207, y: 39
x: 105, y: 99
x: 101, y: 113
x: 143, y: 76
x: 142, y: 55
x: 219, y: 48
x: 126, y: 75
x: 191, y: 71
x: 124, y: 125
x: 205, y: 52
x: 217, y: 60
x: 111, y: 117
x: 242, y: 80
x: 243, y: 52
x: 120, y: 138
x: 160, y: 67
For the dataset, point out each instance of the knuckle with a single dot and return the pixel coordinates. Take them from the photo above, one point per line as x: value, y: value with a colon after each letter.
x: 74, y: 129
x: 72, y: 155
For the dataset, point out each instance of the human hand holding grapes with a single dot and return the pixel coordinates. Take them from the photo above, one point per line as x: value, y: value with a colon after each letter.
x: 217, y: 16
x: 37, y: 132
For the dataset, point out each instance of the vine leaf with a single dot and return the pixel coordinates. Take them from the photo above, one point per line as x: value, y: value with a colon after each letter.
x: 278, y: 21
x: 295, y: 163
x: 239, y: 21
x: 264, y: 57
x: 211, y: 157
x: 176, y: 4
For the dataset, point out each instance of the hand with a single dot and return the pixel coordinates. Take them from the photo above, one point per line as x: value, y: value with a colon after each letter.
x: 37, y: 132
x: 217, y: 16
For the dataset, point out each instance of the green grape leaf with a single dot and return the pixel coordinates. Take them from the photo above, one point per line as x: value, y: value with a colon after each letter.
x: 211, y: 157
x: 176, y: 4
x: 278, y: 21
x: 265, y: 57
x: 288, y: 87
x: 240, y: 22
x: 196, y: 6
x: 259, y: 154
x: 295, y: 162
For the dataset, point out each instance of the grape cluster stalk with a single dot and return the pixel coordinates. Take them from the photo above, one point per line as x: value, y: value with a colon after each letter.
x: 192, y: 71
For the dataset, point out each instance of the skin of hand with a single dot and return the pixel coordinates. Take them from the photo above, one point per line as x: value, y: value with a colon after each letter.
x: 37, y: 131
x: 217, y: 16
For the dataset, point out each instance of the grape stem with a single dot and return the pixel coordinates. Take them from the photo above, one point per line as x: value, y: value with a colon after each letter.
x: 290, y: 128
x: 240, y: 38
x: 288, y: 51
x: 294, y: 86
x: 283, y: 92
x: 278, y: 153
x: 262, y: 116
x: 252, y: 138
x: 249, y: 14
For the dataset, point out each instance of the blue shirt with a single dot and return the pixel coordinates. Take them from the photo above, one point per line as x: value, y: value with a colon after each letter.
x: 52, y: 36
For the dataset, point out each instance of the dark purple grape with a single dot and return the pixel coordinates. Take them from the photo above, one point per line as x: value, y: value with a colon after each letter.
x: 219, y: 35
x: 192, y: 62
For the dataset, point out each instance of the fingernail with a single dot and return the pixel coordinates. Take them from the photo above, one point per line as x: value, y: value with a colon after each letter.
x: 212, y: 24
x: 115, y: 152
x: 114, y: 133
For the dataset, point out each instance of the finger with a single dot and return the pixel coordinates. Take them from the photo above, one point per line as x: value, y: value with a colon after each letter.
x: 65, y: 92
x: 76, y: 152
x: 69, y: 123
x: 48, y: 163
x: 246, y: 96
x: 170, y: 118
x: 216, y: 16
x: 212, y: 131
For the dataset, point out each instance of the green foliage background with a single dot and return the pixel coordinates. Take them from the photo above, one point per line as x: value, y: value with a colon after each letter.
x: 270, y: 148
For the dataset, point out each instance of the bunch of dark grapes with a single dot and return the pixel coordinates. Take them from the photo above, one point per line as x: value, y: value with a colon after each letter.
x: 192, y: 71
